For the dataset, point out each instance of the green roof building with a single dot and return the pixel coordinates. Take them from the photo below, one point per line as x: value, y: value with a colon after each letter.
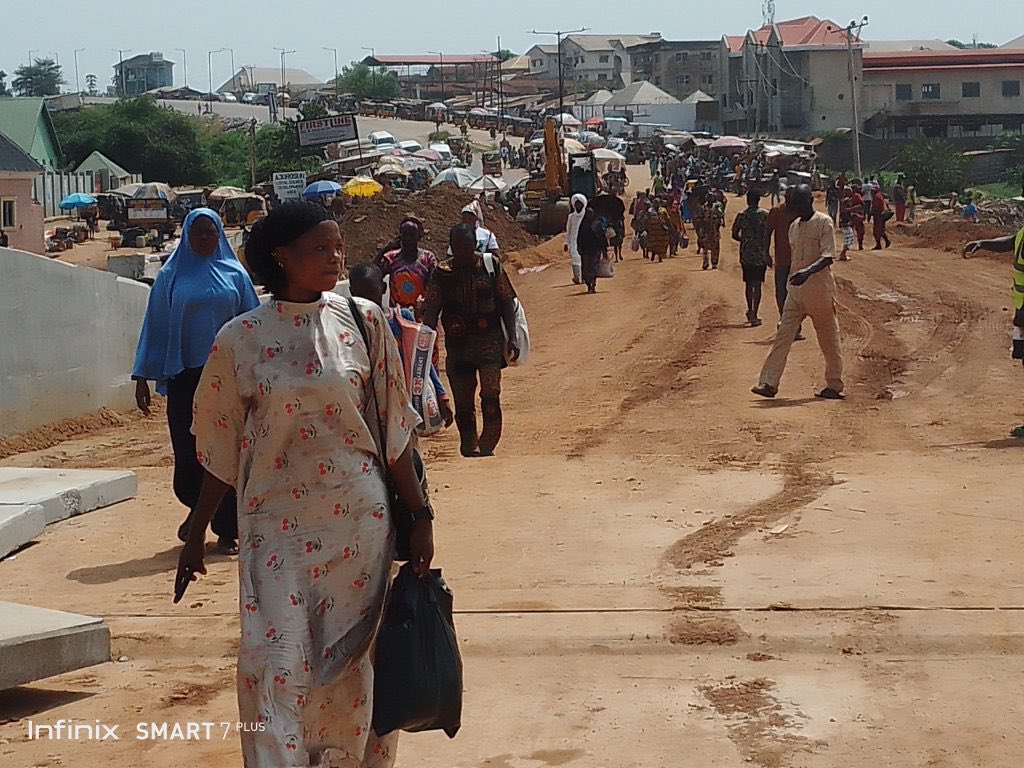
x: 27, y: 123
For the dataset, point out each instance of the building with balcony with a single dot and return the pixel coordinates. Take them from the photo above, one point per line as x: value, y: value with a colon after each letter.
x: 679, y: 67
x: 943, y: 94
x: 142, y: 73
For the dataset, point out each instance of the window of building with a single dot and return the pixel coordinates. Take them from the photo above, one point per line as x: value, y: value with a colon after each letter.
x: 970, y: 90
x: 904, y: 92
x: 705, y: 56
x: 657, y: 58
x: 682, y: 79
x: 709, y: 79
x: 1011, y: 89
x: 682, y: 57
x: 604, y: 59
x: 8, y: 213
x: 602, y: 76
x: 932, y: 91
x: 725, y: 101
x: 537, y: 63
x: 657, y: 81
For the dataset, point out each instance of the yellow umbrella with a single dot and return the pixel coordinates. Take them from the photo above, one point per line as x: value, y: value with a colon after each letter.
x: 362, y: 186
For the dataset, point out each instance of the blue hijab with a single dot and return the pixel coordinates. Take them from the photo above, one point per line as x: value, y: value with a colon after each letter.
x: 191, y: 300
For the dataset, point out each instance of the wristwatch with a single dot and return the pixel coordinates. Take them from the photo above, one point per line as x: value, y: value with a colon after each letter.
x: 423, y: 514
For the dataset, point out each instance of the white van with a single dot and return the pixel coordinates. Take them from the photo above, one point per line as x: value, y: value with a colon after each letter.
x: 383, y: 141
x: 445, y: 152
x: 410, y: 146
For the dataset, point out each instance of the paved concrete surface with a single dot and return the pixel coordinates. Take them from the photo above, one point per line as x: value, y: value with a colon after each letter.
x: 36, y: 643
x: 31, y: 499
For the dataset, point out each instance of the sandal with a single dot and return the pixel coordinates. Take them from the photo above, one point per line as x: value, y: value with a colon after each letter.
x: 830, y: 394
x: 1018, y: 432
x: 227, y: 546
x: 765, y: 390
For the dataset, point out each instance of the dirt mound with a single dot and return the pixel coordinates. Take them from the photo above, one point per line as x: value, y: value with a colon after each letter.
x: 373, y: 222
x: 53, y: 434
x: 948, y: 232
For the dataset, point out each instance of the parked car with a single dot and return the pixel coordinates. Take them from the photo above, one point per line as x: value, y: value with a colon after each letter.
x: 445, y: 152
x: 250, y: 98
x: 410, y: 146
x: 228, y: 97
x: 383, y: 141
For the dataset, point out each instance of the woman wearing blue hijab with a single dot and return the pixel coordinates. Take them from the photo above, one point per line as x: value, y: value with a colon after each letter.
x: 200, y: 288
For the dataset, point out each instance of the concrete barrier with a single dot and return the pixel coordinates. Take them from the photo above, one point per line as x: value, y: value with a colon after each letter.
x: 69, y: 337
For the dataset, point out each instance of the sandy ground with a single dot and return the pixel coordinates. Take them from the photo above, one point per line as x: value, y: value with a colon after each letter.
x: 658, y: 569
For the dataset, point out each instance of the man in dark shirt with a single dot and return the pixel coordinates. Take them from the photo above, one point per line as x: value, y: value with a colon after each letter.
x: 779, y: 220
x: 4, y: 240
x: 750, y: 230
x: 472, y: 300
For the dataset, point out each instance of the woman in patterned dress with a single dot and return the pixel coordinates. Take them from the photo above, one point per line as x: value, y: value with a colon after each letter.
x: 281, y: 415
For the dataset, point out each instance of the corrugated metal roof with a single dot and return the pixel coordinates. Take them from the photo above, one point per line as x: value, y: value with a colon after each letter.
x: 97, y: 160
x: 14, y: 159
x: 19, y: 119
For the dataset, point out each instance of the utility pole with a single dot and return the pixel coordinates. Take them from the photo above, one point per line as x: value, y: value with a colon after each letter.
x: 336, y: 73
x: 559, y: 34
x: 284, y: 53
x: 501, y: 84
x: 252, y: 153
x: 122, y: 85
x: 373, y: 69
x: 209, y: 72
x: 184, y: 63
x: 855, y: 27
x: 78, y: 82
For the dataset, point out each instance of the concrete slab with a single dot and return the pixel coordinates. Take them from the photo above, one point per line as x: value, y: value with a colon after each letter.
x: 30, y: 498
x: 19, y: 524
x: 36, y: 643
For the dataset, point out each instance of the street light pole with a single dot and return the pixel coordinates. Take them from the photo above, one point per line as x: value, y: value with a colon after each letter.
x: 559, y: 34
x: 209, y: 74
x: 336, y: 73
x: 284, y: 53
x: 78, y: 82
x: 440, y: 56
x: 373, y: 69
x: 184, y: 63
x: 855, y: 26
x: 121, y: 79
x: 234, y: 74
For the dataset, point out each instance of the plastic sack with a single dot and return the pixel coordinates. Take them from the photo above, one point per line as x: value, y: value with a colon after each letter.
x: 605, y: 268
x: 417, y: 347
x: 634, y: 243
x: 417, y: 668
x: 522, y: 329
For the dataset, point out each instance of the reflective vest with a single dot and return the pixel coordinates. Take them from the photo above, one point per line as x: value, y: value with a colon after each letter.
x: 1018, y: 272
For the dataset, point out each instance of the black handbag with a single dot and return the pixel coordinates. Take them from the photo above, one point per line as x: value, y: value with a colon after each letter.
x: 401, y: 516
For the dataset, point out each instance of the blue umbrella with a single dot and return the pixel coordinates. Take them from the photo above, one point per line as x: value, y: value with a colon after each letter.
x: 77, y: 200
x: 318, y: 188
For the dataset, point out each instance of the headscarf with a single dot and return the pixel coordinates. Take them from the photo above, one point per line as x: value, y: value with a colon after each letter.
x: 572, y: 228
x: 192, y: 298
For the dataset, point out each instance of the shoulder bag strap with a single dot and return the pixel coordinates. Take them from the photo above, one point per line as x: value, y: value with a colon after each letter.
x: 381, y: 435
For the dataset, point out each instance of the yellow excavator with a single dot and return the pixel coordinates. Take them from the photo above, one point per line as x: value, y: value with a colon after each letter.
x: 548, y: 196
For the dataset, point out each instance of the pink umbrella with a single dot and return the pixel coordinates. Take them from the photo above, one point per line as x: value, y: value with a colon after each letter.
x: 729, y: 142
x: 399, y: 153
x: 429, y: 154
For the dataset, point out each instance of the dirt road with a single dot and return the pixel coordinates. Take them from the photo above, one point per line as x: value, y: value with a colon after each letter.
x: 658, y: 569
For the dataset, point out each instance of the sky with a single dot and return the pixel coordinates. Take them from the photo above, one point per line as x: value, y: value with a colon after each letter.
x: 254, y: 28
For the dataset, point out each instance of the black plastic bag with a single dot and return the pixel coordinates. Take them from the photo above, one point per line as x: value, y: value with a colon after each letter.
x: 417, y: 669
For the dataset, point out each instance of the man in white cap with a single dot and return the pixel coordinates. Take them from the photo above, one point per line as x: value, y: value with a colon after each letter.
x: 486, y: 242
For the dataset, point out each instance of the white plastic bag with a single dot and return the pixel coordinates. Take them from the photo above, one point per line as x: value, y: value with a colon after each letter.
x: 522, y: 329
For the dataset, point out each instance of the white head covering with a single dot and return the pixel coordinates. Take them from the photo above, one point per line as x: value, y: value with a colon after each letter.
x: 572, y: 227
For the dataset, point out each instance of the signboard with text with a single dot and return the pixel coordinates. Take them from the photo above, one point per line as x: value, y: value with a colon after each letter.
x: 327, y: 130
x: 289, y: 185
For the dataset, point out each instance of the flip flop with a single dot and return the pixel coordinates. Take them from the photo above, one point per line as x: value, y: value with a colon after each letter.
x: 227, y: 546
x: 765, y: 390
x: 830, y: 394
x: 1018, y: 432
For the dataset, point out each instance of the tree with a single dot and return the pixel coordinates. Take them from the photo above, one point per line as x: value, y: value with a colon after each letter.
x: 43, y: 77
x: 503, y: 55
x: 161, y: 144
x: 3, y: 83
x: 90, y: 84
x: 966, y: 46
x: 364, y: 83
x: 935, y: 166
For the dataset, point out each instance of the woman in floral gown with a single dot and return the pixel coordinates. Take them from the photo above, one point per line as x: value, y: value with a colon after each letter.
x: 283, y: 413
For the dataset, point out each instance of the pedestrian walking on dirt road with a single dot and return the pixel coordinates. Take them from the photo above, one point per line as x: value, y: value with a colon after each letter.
x: 750, y: 230
x: 473, y: 299
x: 281, y: 415
x: 200, y: 288
x: 1010, y: 244
x: 811, y: 294
x: 577, y: 210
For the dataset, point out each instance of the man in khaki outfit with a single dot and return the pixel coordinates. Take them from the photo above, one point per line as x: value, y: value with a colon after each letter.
x: 811, y: 294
